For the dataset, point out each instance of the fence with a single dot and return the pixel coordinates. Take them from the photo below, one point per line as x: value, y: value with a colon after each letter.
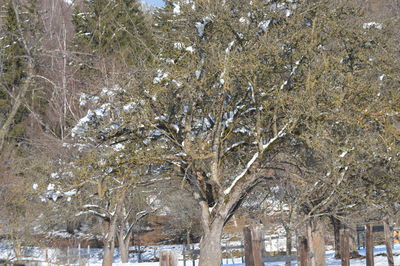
x: 233, y: 252
x: 252, y: 250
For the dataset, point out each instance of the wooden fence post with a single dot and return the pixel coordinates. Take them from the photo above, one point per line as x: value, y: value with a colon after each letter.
x: 253, y: 238
x: 88, y: 252
x: 369, y: 245
x: 303, y: 251
x: 79, y: 254
x: 140, y: 254
x: 388, y: 241
x: 242, y: 244
x: 193, y: 257
x: 344, y: 247
x: 168, y: 258
x: 68, y: 255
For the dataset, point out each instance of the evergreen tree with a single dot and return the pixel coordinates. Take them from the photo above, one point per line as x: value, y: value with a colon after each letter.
x: 13, y: 52
x: 115, y: 28
x: 14, y: 62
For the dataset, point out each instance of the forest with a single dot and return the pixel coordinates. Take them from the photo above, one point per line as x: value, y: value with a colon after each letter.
x: 120, y: 120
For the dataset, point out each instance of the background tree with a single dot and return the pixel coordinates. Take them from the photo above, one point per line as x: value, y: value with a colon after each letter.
x: 17, y: 64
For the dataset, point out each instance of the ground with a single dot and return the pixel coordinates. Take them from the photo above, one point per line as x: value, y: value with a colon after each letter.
x: 71, y: 256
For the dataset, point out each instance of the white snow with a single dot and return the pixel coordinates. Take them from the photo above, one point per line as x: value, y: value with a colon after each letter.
x: 179, y: 46
x: 119, y: 147
x: 254, y: 158
x: 343, y: 154
x: 370, y: 25
x: 198, y: 73
x: 249, y: 164
x: 161, y: 75
x: 229, y: 48
x: 129, y: 106
x: 200, y: 26
x: 274, y: 242
x: 54, y: 175
x: 244, y: 20
x: 177, y: 8
x: 70, y: 193
x: 264, y: 24
x: 79, y: 127
x: 190, y: 49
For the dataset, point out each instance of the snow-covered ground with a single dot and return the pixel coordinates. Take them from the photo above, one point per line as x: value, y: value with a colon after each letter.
x: 71, y: 256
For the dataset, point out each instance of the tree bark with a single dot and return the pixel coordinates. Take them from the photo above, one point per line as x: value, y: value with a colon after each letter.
x: 253, y: 245
x: 369, y: 245
x: 168, y: 258
x: 344, y: 247
x: 210, y: 244
x: 388, y: 241
x: 111, y: 226
x: 316, y: 242
x: 303, y: 251
x: 288, y: 244
x: 123, y: 243
x: 109, y: 246
x: 336, y: 223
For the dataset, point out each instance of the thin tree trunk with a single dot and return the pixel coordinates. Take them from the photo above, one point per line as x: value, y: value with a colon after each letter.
x: 336, y: 223
x: 5, y: 128
x: 25, y: 85
x: 288, y: 245
x: 188, y: 241
x: 388, y: 241
x: 17, y: 248
x: 210, y: 245
x: 369, y: 245
x: 316, y: 242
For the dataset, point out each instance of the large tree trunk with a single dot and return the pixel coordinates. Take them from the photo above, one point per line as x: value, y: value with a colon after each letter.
x: 210, y: 244
x: 109, y: 246
x: 111, y: 229
x: 123, y: 242
x: 316, y: 242
x: 303, y: 251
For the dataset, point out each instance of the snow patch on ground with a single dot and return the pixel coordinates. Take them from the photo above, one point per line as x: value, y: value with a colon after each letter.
x: 93, y: 256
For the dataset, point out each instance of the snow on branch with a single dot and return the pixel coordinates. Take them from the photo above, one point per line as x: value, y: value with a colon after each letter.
x: 286, y: 82
x: 280, y: 134
x: 234, y: 145
x: 243, y: 173
x: 101, y: 215
x: 253, y: 159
